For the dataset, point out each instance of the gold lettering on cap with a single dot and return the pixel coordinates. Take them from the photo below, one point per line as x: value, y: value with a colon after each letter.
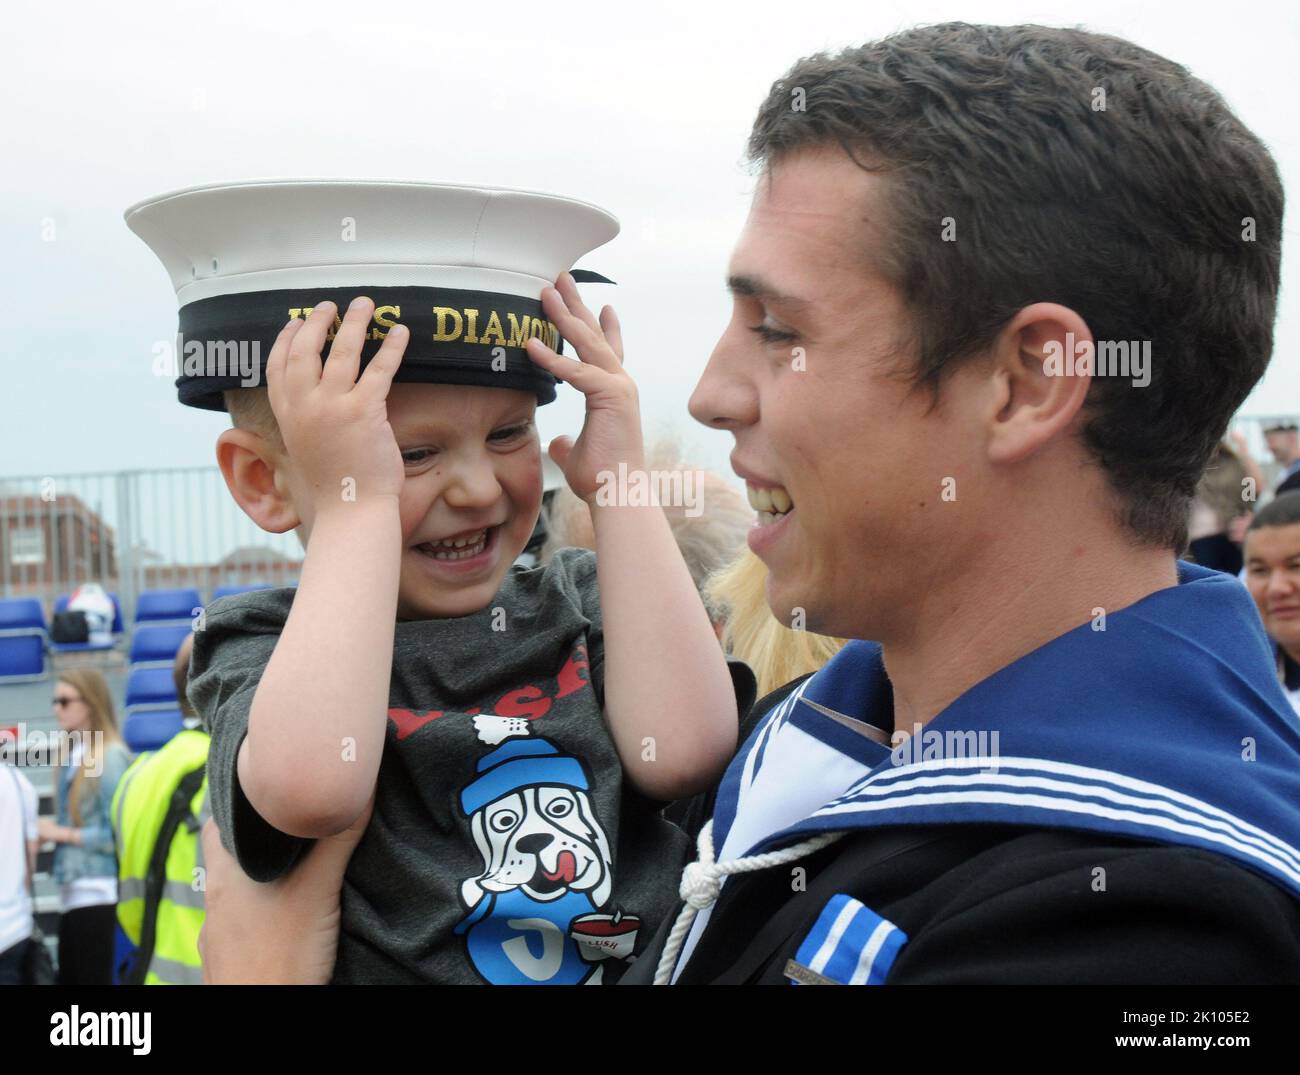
x: 382, y: 323
x: 520, y: 329
x: 455, y: 324
x: 493, y: 329
x: 523, y: 327
x: 442, y: 334
x: 305, y: 311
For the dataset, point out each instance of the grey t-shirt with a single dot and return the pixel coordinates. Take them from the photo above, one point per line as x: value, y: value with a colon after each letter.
x: 505, y: 846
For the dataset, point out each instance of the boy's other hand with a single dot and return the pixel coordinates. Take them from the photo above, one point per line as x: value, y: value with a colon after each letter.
x: 282, y: 932
x: 611, y: 432
x: 334, y: 425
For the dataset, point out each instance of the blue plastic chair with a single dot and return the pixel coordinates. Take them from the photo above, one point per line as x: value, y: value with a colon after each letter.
x: 167, y: 606
x: 154, y: 645
x: 23, y: 641
x: 150, y: 688
x: 150, y: 729
x: 21, y: 613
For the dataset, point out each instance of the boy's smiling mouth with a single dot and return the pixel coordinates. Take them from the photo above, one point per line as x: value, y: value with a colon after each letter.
x: 461, y: 547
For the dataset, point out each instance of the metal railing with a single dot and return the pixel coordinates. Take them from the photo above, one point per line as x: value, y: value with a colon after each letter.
x: 132, y: 531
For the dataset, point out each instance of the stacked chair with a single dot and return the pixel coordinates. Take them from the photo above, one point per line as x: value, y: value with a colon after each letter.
x: 24, y: 640
x: 162, y: 620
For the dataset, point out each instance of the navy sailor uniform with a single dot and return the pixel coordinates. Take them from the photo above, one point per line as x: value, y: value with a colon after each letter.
x: 1121, y: 805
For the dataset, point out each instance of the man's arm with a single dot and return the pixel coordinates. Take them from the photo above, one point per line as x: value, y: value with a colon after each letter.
x: 281, y: 932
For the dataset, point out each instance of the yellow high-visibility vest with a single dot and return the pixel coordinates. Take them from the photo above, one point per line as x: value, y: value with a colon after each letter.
x: 151, y: 789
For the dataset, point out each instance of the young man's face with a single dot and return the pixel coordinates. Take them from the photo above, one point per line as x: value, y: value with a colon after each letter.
x: 474, y: 476
x: 1273, y: 577
x: 807, y: 378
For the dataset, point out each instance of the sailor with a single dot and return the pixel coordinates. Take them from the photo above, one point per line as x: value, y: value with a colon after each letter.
x: 1106, y: 786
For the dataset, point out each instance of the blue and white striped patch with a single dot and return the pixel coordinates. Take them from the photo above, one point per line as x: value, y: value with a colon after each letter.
x: 850, y: 944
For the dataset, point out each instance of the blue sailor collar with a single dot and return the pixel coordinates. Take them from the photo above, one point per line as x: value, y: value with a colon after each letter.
x: 1289, y: 669
x: 1168, y: 725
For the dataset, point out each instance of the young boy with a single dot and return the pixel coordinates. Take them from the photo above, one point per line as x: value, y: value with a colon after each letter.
x: 518, y: 729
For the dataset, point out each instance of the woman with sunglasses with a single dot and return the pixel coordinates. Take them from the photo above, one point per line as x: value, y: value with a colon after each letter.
x: 85, y: 861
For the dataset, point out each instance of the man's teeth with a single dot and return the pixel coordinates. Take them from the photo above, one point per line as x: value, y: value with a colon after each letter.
x: 457, y: 549
x: 771, y: 502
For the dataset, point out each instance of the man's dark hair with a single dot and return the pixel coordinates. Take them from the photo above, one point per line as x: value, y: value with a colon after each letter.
x: 1133, y: 216
x: 1284, y: 510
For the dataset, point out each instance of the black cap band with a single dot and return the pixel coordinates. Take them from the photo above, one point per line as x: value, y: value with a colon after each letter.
x: 457, y: 337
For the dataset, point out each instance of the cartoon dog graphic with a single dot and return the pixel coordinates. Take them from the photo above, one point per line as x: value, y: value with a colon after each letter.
x: 546, y: 869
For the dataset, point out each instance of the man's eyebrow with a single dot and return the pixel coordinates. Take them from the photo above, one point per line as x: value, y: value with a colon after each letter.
x: 754, y: 287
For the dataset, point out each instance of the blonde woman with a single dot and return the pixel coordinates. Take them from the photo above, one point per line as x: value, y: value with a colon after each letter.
x: 779, y: 656
x: 777, y: 653
x: 85, y: 861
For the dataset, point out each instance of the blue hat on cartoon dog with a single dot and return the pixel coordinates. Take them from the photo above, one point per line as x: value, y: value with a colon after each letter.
x: 521, y: 763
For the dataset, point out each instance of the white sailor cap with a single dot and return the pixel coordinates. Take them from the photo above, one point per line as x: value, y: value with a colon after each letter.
x: 462, y: 267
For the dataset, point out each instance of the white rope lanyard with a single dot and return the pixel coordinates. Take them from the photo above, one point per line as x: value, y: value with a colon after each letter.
x: 702, y: 881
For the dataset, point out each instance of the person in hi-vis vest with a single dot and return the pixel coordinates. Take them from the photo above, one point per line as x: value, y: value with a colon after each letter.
x: 157, y: 812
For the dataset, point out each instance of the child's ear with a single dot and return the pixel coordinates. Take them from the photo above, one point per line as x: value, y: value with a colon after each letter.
x: 254, y: 475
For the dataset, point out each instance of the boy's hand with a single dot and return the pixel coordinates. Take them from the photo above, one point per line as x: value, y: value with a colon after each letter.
x: 611, y: 433
x: 333, y: 425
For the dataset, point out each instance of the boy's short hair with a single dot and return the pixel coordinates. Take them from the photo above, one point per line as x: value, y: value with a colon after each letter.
x: 250, y: 409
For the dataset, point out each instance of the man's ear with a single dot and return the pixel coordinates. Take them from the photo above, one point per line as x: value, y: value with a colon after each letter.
x: 1040, y: 380
x: 258, y: 484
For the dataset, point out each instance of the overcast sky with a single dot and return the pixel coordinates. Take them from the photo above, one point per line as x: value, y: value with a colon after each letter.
x: 643, y: 109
